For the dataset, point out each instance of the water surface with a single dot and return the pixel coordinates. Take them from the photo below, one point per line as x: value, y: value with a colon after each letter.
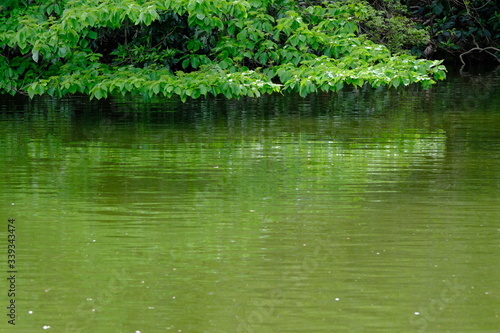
x: 363, y: 211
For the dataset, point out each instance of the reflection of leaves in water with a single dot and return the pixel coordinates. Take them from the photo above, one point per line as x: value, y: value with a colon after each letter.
x: 238, y: 191
x: 102, y: 132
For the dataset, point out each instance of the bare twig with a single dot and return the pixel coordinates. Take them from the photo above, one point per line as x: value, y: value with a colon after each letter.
x: 480, y: 49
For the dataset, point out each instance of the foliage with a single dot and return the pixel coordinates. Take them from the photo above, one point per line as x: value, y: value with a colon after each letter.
x: 193, y: 48
x: 457, y: 26
x: 435, y: 28
x: 388, y: 23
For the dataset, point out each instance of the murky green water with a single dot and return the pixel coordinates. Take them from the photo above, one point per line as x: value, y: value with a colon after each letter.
x: 371, y: 211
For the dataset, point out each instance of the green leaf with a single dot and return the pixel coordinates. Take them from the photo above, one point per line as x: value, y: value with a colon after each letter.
x: 31, y: 92
x: 195, y: 62
x: 156, y: 88
x: 203, y: 89
x: 73, y: 89
x: 98, y: 94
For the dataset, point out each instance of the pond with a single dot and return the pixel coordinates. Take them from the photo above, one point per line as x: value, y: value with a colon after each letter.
x: 366, y: 210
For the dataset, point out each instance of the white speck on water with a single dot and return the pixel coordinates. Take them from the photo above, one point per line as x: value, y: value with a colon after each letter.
x: 417, y: 313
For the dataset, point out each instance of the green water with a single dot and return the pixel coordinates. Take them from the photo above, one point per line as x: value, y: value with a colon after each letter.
x: 364, y: 211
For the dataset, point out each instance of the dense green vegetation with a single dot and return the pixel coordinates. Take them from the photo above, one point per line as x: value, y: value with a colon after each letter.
x: 194, y: 48
x: 463, y: 29
x: 452, y: 29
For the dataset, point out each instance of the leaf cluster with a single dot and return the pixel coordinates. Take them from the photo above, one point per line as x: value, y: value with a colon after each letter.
x: 456, y: 26
x: 388, y: 22
x: 193, y: 48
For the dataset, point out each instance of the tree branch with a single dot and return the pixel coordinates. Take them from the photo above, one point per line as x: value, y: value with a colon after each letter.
x: 480, y: 49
